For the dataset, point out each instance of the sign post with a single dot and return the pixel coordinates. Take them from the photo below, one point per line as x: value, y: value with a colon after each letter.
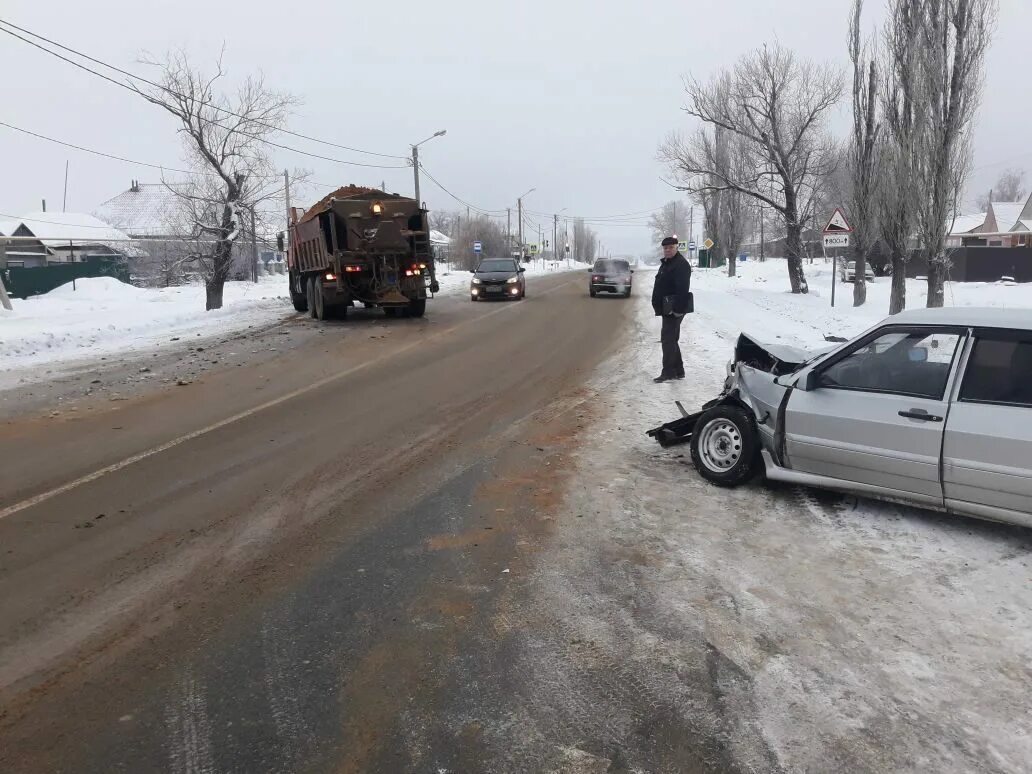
x: 836, y: 235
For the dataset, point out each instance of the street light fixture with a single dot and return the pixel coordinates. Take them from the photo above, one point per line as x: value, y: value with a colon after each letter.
x: 415, y: 159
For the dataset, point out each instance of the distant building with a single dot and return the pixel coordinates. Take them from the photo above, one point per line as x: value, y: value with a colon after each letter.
x: 47, y: 238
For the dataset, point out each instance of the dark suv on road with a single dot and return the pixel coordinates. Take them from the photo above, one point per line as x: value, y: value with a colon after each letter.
x: 611, y: 275
x: 498, y: 278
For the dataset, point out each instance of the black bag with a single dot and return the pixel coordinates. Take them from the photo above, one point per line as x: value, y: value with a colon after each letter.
x: 668, y: 304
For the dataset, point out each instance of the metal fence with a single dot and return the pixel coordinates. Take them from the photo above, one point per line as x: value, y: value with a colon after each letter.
x: 24, y: 282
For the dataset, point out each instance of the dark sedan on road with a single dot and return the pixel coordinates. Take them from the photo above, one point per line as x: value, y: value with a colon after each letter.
x: 498, y: 278
x: 611, y: 276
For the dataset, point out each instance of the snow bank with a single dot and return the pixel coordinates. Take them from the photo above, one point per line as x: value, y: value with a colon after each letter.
x: 102, y: 316
x: 96, y: 289
x: 759, y: 301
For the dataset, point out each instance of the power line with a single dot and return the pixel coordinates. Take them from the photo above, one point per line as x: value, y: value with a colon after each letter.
x: 199, y: 118
x: 161, y: 167
x: 102, y: 153
x: 479, y: 210
x: 164, y: 88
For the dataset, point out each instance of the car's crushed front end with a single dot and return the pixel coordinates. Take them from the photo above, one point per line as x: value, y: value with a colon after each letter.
x: 751, y: 384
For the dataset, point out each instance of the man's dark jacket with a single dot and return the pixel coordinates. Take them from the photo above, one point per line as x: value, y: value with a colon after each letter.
x: 674, y: 278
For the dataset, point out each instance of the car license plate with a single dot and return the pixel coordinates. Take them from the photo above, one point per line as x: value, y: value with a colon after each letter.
x: 494, y: 290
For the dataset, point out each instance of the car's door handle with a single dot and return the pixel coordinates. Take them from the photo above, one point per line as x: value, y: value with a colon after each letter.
x: 921, y: 414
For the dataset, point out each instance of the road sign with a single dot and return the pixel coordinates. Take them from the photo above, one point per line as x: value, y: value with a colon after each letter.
x: 837, y: 239
x: 837, y: 224
x: 533, y: 249
x: 682, y: 246
x: 691, y: 245
x: 478, y: 247
x: 708, y: 244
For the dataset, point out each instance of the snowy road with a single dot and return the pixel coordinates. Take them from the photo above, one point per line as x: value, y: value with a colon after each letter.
x: 461, y: 553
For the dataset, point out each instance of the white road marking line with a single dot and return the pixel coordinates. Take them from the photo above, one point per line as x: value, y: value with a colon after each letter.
x: 114, y: 467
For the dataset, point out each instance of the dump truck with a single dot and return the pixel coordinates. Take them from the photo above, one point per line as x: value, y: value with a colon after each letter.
x: 360, y: 246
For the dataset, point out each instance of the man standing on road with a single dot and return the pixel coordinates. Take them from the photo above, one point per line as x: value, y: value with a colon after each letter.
x: 670, y: 299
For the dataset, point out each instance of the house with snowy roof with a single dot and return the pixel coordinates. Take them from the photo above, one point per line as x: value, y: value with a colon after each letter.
x: 41, y: 239
x: 143, y: 211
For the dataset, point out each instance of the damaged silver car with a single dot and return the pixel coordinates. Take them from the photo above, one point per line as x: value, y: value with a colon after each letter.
x: 931, y: 407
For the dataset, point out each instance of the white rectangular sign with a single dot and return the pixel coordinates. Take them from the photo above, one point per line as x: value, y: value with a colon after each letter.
x: 836, y: 240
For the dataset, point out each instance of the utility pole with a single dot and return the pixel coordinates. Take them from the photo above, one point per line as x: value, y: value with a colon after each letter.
x: 555, y: 237
x: 64, y: 202
x: 691, y: 224
x: 519, y: 223
x: 415, y: 170
x: 508, y: 230
x: 254, y: 247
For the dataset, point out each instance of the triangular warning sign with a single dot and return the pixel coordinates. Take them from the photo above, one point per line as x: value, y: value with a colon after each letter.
x: 837, y: 224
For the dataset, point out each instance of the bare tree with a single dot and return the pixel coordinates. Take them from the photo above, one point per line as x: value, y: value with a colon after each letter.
x: 671, y: 218
x: 778, y: 106
x: 585, y: 242
x: 952, y: 40
x: 897, y: 191
x: 862, y: 153
x: 226, y: 142
x: 1010, y: 187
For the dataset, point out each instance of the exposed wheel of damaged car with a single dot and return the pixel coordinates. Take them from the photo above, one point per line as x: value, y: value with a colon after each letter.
x: 725, y: 446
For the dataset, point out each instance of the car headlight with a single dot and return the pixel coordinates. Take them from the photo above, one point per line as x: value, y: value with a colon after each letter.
x: 476, y: 280
x: 512, y: 280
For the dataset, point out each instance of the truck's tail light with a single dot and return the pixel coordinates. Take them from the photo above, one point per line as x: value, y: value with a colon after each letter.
x: 330, y: 276
x: 352, y: 269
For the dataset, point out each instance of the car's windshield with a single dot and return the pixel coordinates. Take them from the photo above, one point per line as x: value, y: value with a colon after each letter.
x: 497, y: 264
x: 612, y: 267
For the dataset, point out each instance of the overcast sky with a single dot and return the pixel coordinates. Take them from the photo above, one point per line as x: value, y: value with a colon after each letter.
x: 564, y: 97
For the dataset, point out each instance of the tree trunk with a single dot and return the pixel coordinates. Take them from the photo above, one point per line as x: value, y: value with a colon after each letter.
x: 898, y: 296
x: 732, y: 267
x: 794, y: 248
x: 936, y: 283
x: 213, y: 293
x: 860, y: 276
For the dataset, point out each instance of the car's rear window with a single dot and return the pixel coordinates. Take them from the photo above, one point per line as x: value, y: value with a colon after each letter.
x: 612, y: 267
x: 999, y: 371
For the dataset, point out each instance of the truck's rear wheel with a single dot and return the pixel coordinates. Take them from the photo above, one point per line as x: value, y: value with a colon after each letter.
x: 298, y: 297
x: 417, y: 307
x: 317, y: 302
x: 310, y: 295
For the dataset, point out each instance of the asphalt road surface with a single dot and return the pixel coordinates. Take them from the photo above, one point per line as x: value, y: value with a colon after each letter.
x: 294, y: 561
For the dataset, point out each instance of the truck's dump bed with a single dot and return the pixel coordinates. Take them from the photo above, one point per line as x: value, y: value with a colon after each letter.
x: 347, y: 192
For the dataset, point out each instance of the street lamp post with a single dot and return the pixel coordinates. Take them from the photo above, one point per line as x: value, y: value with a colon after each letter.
x: 415, y: 159
x: 519, y: 217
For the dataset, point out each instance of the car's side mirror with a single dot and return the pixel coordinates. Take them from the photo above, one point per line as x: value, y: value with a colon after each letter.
x: 472, y: 271
x: 810, y: 382
x: 522, y: 270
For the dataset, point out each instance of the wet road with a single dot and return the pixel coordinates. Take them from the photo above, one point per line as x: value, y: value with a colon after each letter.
x: 296, y: 563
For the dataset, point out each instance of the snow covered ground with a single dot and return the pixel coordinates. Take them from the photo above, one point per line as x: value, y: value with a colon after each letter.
x: 795, y: 630
x: 103, y: 317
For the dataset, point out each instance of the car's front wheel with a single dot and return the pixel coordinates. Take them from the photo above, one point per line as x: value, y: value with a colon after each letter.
x: 726, y: 446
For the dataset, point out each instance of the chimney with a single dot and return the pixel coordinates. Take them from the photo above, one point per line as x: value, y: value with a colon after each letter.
x: 135, y: 187
x: 44, y: 205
